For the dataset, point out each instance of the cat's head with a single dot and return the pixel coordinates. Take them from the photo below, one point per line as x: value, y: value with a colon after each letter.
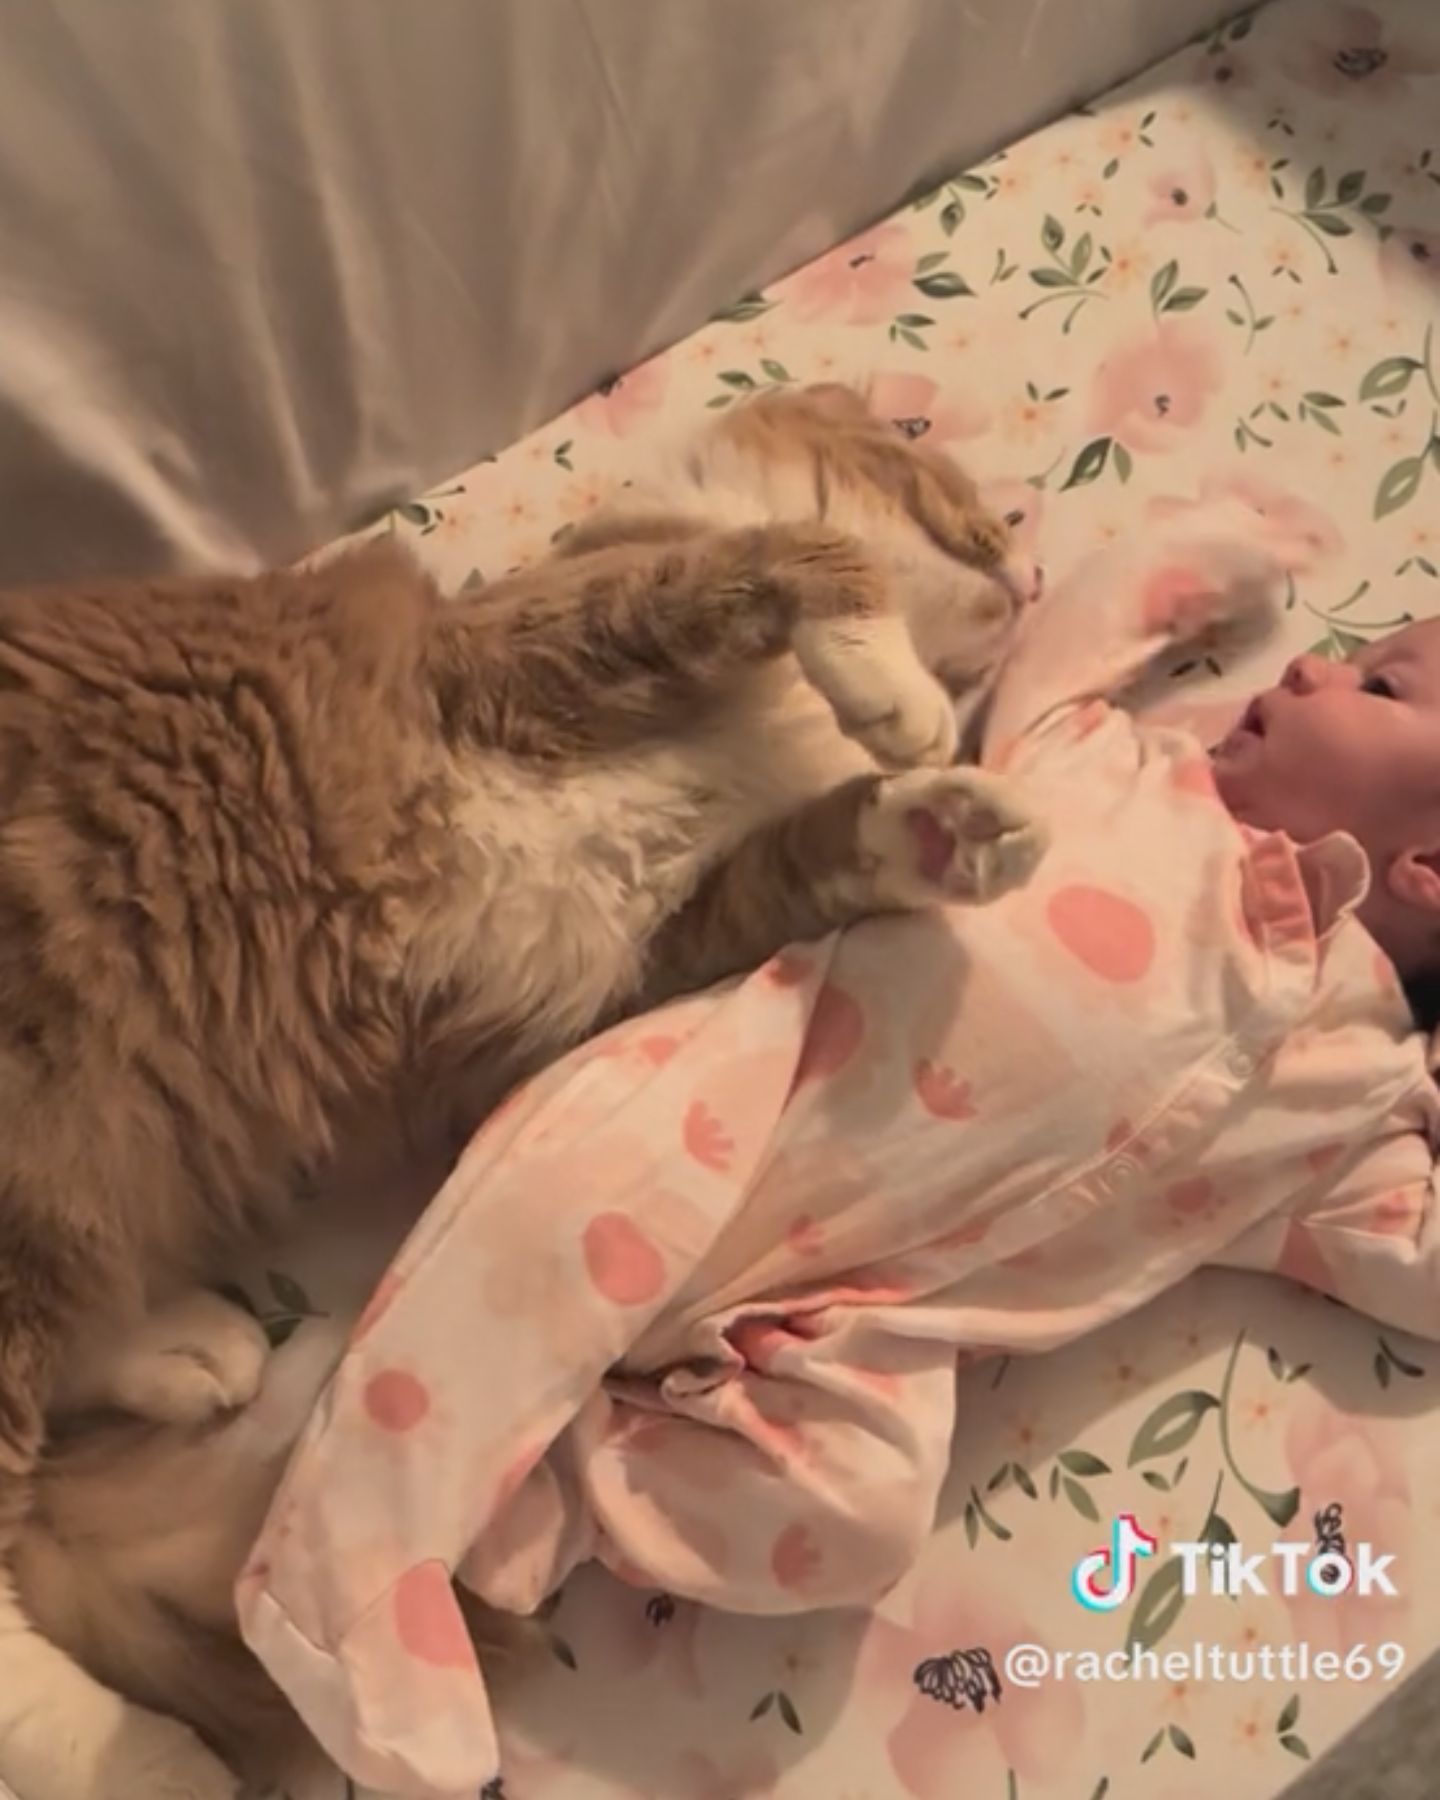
x: 870, y: 475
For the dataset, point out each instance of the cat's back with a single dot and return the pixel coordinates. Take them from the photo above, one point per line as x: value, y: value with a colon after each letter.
x: 196, y: 774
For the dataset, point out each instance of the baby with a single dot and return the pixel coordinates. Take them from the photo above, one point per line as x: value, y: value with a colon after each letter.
x: 1354, y: 747
x: 691, y: 1303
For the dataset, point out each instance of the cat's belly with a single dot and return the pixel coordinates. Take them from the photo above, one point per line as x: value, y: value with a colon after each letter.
x: 574, y: 874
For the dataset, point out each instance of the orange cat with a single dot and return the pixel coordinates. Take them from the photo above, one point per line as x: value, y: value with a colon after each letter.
x: 288, y: 861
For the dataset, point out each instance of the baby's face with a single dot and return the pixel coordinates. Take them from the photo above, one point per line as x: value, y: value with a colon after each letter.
x: 1344, y: 746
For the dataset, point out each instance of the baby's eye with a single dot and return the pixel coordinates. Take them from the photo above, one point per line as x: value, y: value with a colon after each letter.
x: 1375, y: 683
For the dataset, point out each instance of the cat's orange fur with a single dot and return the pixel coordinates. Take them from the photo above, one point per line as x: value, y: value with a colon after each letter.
x: 288, y: 858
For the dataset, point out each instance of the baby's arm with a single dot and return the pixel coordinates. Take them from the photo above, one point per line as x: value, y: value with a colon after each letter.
x: 1126, y: 606
x: 1370, y: 1237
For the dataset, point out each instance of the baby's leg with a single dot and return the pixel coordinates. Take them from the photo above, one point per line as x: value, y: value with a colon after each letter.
x: 875, y: 844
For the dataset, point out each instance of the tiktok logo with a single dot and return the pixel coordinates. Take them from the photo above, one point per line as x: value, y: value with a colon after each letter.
x: 1106, y: 1578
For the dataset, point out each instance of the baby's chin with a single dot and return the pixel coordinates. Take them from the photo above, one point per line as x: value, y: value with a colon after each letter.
x: 1240, y: 794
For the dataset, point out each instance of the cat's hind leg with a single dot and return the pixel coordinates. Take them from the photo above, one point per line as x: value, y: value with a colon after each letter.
x: 186, y: 1362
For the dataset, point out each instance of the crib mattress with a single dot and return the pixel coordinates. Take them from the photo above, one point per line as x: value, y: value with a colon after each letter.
x: 1225, y: 276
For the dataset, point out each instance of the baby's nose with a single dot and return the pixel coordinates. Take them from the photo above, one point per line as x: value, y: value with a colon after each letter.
x: 1305, y: 674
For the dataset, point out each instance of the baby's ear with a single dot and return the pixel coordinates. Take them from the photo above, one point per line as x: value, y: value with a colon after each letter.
x: 1414, y: 879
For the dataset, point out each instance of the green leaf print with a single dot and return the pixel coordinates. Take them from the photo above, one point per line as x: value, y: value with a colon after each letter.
x: 786, y: 1707
x: 1081, y: 1462
x: 1162, y: 1599
x: 1052, y: 233
x: 1398, y: 485
x: 1089, y: 464
x: 1289, y: 1714
x: 993, y: 1526
x: 1387, y: 1358
x: 944, y: 284
x: 1079, y: 1498
x: 1320, y: 217
x: 1296, y: 1746
x: 1171, y: 1425
x: 1182, y: 1742
x: 1389, y: 378
x: 1153, y: 1745
x: 289, y: 1293
x: 742, y: 311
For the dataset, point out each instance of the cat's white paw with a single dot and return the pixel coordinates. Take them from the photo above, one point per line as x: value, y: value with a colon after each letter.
x: 62, y: 1737
x: 882, y: 695
x: 161, y: 1760
x: 918, y: 731
x: 190, y: 1361
x: 954, y: 834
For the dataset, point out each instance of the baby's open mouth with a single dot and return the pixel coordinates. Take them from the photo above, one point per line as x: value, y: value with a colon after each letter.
x: 1252, y: 720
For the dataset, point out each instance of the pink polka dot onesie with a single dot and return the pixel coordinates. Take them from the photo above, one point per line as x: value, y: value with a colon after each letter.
x: 691, y: 1304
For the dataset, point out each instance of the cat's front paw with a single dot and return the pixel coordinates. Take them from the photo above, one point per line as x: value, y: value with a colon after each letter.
x: 928, y: 837
x: 190, y: 1362
x: 162, y: 1760
x: 882, y: 695
x: 917, y: 731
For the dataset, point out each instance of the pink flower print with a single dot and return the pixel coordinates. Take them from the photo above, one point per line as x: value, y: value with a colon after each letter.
x: 1300, y: 535
x: 1152, y: 392
x: 859, y: 283
x: 1338, y: 1458
x: 1182, y: 191
x: 1354, y: 56
x: 625, y: 404
x: 916, y: 406
x: 950, y: 1736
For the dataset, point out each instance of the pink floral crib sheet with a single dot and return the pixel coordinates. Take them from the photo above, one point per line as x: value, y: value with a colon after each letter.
x: 1224, y: 276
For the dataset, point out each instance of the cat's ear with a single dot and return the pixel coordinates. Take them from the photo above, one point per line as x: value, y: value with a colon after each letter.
x: 837, y: 402
x: 938, y: 496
